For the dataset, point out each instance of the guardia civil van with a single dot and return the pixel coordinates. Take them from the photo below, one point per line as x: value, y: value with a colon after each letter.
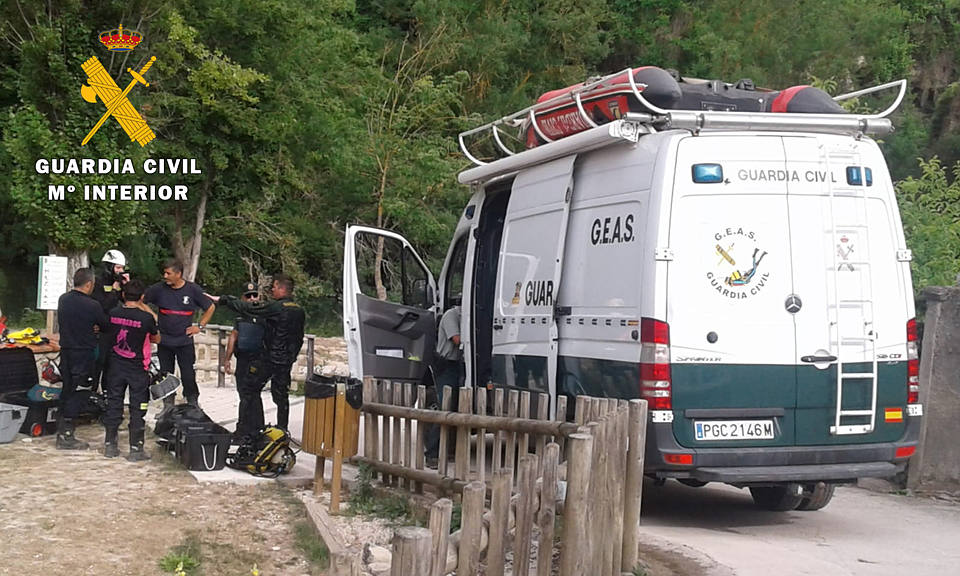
x: 734, y: 257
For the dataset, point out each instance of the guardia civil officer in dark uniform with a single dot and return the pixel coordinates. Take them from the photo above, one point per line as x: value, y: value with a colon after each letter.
x: 285, y: 322
x: 176, y: 300
x: 248, y: 343
x: 106, y: 291
x: 133, y: 326
x: 81, y: 318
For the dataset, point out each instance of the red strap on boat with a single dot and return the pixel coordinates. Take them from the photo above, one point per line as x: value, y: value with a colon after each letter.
x: 781, y: 102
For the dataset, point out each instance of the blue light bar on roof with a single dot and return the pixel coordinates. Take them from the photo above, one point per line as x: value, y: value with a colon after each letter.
x: 707, y: 173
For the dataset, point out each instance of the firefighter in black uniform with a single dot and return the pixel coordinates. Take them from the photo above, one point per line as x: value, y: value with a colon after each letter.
x: 248, y: 343
x: 285, y: 320
x: 81, y: 318
x: 106, y: 291
x: 133, y: 326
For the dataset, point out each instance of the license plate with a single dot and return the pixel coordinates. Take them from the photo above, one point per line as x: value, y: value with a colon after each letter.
x: 733, y: 429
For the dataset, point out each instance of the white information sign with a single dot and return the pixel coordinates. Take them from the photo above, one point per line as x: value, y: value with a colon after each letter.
x: 52, y: 281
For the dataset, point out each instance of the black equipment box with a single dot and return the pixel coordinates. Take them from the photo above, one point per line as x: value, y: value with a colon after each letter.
x: 18, y: 373
x: 203, y: 447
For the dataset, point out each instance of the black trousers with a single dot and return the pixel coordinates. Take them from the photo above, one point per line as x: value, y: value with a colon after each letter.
x: 280, y: 391
x: 446, y: 373
x: 120, y: 377
x: 251, y: 377
x: 186, y: 357
x: 76, y: 369
x: 100, y: 371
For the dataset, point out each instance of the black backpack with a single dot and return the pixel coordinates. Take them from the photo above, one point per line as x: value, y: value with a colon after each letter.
x: 250, y: 333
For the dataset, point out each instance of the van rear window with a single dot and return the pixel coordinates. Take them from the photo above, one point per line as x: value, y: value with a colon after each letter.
x: 599, y: 378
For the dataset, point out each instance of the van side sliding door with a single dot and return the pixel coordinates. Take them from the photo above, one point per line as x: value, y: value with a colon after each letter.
x: 529, y: 276
x: 389, y: 306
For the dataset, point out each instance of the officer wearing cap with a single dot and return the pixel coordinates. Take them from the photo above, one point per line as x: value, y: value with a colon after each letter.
x: 248, y: 343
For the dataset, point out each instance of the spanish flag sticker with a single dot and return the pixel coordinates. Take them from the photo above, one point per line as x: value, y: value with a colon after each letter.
x: 893, y: 415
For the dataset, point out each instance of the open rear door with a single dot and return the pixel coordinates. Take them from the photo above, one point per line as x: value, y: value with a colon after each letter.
x: 529, y: 275
x: 389, y: 306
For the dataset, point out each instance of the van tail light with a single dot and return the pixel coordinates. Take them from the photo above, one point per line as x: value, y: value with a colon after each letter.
x: 655, y: 383
x: 913, y: 364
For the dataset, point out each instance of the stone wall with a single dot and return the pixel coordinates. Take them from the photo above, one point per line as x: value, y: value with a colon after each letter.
x: 937, y: 461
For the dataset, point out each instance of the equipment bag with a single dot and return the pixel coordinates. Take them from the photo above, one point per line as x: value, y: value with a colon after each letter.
x: 250, y: 332
x: 202, y: 447
x: 268, y: 453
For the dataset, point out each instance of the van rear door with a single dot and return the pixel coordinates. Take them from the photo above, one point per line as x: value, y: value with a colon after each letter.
x: 528, y: 278
x: 845, y: 235
x: 389, y: 306
x: 733, y: 346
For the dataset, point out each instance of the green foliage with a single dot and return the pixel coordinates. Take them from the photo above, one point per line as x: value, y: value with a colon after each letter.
x: 313, y: 548
x: 365, y: 501
x: 184, y: 558
x: 930, y: 209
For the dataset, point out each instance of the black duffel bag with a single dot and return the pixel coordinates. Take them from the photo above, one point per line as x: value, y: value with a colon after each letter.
x: 179, y: 417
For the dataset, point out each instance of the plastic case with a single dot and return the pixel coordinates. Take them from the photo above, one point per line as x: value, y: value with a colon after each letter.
x: 11, y: 417
x: 203, y: 447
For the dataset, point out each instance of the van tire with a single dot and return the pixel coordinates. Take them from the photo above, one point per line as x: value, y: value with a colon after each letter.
x: 774, y: 498
x: 819, y: 497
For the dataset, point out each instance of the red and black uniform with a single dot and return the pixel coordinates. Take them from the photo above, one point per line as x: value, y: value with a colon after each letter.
x: 78, y: 314
x: 129, y: 339
x: 176, y: 307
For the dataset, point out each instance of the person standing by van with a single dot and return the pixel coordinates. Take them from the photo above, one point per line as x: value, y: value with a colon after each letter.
x: 176, y: 300
x: 248, y: 343
x: 81, y: 317
x: 133, y: 326
x: 447, y: 370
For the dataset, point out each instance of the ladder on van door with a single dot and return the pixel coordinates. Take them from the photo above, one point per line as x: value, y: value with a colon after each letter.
x: 852, y: 261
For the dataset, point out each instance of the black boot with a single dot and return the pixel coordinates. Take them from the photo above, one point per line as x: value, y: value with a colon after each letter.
x: 193, y: 401
x: 110, y: 446
x: 137, y: 453
x: 66, y: 440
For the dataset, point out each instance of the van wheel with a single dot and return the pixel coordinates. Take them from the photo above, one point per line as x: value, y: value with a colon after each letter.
x: 774, y: 498
x: 819, y: 497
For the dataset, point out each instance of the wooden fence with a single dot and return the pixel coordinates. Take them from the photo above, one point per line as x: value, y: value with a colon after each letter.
x: 508, y: 478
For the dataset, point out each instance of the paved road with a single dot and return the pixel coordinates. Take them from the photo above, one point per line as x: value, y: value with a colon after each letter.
x: 861, y: 532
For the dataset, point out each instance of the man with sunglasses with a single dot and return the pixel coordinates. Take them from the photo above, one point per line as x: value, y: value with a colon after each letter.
x: 248, y: 342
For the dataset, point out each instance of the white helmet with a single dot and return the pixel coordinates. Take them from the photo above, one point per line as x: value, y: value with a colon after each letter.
x: 114, y: 257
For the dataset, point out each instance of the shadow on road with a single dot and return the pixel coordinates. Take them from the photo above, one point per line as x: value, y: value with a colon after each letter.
x: 712, y: 507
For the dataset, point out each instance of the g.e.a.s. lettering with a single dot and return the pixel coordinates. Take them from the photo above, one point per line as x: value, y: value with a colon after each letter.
x: 612, y: 230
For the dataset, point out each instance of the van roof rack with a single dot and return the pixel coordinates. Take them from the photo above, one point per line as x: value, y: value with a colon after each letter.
x: 633, y: 124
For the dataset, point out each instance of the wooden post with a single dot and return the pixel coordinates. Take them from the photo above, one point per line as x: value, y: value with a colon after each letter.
x: 634, y: 484
x: 462, y: 459
x: 548, y: 502
x: 418, y: 445
x: 374, y: 419
x: 386, y: 397
x: 396, y: 454
x: 513, y: 400
x: 524, y: 448
x: 445, y: 404
x: 499, y: 521
x: 498, y: 435
x: 575, y: 535
x: 543, y: 407
x: 318, y: 469
x: 440, y: 529
x: 582, y: 408
x: 471, y: 529
x: 561, y: 416
x: 482, y: 436
x: 411, y: 552
x: 310, y: 359
x: 408, y: 431
x: 340, y: 419
x: 619, y: 472
x: 527, y: 488
x: 221, y: 353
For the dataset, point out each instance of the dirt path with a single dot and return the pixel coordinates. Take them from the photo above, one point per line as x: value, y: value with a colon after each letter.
x: 76, y: 513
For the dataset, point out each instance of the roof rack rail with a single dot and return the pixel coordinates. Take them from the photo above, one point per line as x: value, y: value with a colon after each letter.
x: 693, y: 120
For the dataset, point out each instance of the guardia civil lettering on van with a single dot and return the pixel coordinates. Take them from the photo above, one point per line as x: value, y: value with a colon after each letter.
x: 728, y: 253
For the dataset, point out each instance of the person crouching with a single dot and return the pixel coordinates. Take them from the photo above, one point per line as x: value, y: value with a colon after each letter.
x: 133, y: 326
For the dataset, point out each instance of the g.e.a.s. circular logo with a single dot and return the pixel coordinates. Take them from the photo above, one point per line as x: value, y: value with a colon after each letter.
x: 738, y: 273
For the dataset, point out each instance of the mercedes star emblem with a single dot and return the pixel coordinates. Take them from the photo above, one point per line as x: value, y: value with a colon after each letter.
x: 793, y: 304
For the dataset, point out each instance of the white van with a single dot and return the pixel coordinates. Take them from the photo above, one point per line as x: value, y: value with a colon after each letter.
x: 746, y: 273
